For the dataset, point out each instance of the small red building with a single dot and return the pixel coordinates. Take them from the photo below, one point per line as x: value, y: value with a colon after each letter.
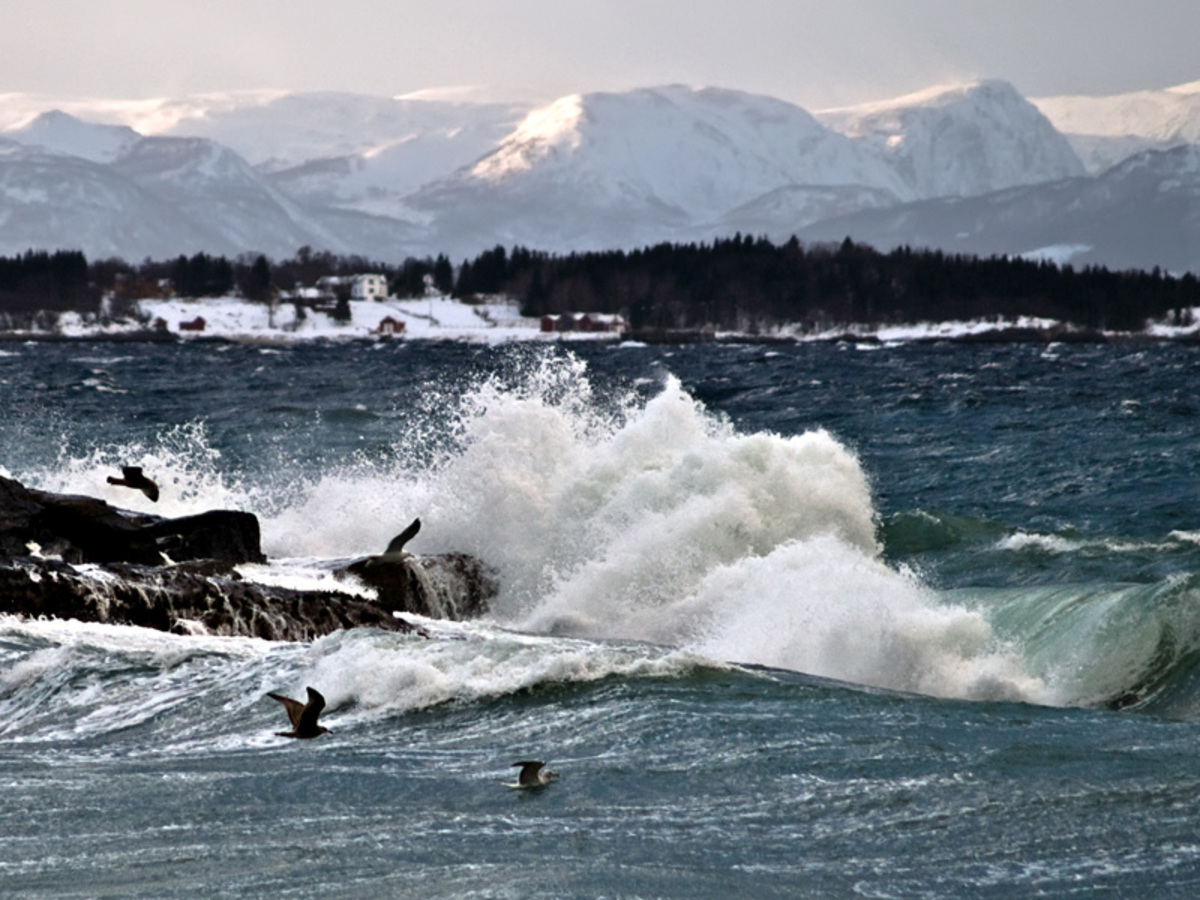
x: 390, y: 325
x: 197, y: 324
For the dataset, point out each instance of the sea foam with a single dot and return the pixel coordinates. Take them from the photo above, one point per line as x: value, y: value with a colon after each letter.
x: 658, y: 521
x: 635, y: 517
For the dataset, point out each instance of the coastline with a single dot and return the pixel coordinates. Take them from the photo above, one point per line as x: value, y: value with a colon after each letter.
x: 998, y: 335
x: 439, y: 318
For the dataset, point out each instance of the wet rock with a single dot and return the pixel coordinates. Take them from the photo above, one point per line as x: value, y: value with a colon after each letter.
x: 442, y: 586
x: 182, y: 601
x: 97, y: 563
x: 86, y: 529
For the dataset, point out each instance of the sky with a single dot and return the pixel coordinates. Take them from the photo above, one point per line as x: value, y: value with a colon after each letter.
x: 817, y: 53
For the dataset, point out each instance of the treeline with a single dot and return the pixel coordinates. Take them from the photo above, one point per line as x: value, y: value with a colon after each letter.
x: 750, y: 284
x: 741, y: 284
x: 38, y: 280
x: 65, y: 280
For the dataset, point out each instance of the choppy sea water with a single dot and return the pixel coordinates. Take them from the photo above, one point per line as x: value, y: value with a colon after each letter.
x: 789, y: 621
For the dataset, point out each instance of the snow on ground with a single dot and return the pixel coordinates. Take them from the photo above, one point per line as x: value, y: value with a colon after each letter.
x: 428, y: 317
x: 925, y: 331
x: 1188, y: 328
x: 498, y: 321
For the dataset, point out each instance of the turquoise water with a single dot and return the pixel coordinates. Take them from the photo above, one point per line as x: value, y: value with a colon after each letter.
x: 789, y: 621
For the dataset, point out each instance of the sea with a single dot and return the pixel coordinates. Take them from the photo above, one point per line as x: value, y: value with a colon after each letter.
x: 789, y: 620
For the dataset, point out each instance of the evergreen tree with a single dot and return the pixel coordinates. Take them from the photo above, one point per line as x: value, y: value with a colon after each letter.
x: 443, y: 274
x: 258, y: 283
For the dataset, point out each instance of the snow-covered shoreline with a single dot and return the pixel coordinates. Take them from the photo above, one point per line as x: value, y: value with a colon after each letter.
x: 498, y: 320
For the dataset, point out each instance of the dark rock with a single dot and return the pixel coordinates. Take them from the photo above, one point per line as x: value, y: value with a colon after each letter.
x: 175, y: 599
x: 102, y: 564
x: 224, y: 535
x: 85, y: 529
x: 443, y: 586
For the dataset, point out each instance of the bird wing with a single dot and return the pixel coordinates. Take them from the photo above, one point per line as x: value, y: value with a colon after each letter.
x: 310, y: 712
x: 398, y: 542
x: 295, y: 709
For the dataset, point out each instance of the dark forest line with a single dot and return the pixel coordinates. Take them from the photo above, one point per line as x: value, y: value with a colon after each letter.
x: 750, y: 285
x: 741, y: 284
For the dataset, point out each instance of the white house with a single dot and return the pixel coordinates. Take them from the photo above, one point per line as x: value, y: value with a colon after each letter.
x: 369, y: 287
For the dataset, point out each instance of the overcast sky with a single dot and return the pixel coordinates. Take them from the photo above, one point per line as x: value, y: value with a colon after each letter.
x: 817, y: 53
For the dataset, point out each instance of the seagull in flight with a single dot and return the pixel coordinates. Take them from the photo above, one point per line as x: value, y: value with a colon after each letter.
x: 132, y: 476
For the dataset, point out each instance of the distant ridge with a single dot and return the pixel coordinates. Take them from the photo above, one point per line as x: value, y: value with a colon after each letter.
x: 1108, y: 130
x: 392, y: 177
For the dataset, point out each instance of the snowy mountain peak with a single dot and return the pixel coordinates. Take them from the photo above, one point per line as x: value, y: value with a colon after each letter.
x: 961, y: 140
x: 57, y: 132
x: 542, y: 132
x: 941, y: 96
x: 193, y: 162
x: 701, y: 151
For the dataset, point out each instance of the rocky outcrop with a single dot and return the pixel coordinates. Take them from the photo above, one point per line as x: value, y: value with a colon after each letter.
x: 447, y: 586
x: 181, y: 599
x: 74, y: 557
x: 85, y: 529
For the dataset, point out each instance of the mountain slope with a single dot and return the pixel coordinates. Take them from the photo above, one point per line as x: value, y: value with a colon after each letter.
x: 608, y: 169
x: 1106, y: 130
x: 57, y: 132
x: 210, y: 184
x: 52, y: 202
x: 353, y: 151
x: 1142, y: 213
x: 166, y: 196
x: 961, y: 140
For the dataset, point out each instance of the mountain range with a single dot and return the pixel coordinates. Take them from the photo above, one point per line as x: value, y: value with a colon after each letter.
x: 974, y: 168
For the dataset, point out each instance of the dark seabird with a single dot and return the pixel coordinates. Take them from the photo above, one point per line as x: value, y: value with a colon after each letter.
x: 134, y: 478
x: 533, y: 775
x: 395, y: 549
x: 303, y: 715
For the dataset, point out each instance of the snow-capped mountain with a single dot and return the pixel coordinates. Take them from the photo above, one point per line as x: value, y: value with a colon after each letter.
x: 54, y: 202
x: 56, y: 132
x: 1141, y: 213
x: 159, y: 197
x: 210, y: 184
x: 962, y: 140
x: 974, y: 167
x: 1106, y: 130
x: 279, y: 132
x: 352, y: 151
x: 618, y: 169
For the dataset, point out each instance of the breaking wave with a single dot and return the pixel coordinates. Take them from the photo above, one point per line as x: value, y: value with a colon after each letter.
x: 640, y: 517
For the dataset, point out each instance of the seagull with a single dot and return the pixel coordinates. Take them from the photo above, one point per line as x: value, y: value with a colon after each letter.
x: 532, y: 775
x: 133, y: 477
x: 395, y: 549
x: 303, y: 715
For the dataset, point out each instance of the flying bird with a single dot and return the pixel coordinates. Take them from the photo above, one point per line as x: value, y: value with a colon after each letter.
x: 533, y: 775
x: 303, y: 715
x: 132, y: 477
